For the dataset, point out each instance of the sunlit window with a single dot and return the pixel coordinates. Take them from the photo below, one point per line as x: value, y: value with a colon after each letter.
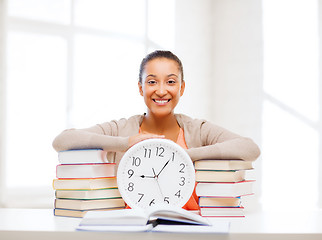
x: 71, y: 64
x: 290, y: 109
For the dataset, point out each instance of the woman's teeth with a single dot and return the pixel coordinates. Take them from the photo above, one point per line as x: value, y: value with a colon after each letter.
x: 163, y: 101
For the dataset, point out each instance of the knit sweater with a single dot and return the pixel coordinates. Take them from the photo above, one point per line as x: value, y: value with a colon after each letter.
x: 204, y: 139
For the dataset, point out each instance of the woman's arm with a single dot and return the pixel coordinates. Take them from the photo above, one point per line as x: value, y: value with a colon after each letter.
x: 97, y: 137
x: 93, y: 137
x: 219, y: 143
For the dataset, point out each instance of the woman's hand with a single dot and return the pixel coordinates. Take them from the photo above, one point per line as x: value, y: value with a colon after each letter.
x: 142, y: 136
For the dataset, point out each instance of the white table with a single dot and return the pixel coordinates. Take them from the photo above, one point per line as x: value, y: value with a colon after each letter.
x: 43, y: 225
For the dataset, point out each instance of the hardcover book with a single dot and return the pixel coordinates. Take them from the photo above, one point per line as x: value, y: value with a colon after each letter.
x: 90, y: 170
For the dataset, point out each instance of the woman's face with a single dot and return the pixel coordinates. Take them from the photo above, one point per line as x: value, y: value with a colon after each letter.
x: 161, y: 86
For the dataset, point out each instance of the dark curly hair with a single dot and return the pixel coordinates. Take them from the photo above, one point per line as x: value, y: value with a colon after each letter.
x: 160, y: 54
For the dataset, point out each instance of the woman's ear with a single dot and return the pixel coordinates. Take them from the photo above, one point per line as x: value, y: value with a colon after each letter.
x: 183, y: 86
x: 140, y: 88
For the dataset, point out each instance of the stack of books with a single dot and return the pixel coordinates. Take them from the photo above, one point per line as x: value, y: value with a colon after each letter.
x: 85, y: 182
x: 221, y: 185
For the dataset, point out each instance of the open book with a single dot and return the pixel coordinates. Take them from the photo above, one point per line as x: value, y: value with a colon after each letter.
x: 166, y: 219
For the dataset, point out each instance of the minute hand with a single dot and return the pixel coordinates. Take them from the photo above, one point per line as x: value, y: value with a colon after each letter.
x: 163, y: 167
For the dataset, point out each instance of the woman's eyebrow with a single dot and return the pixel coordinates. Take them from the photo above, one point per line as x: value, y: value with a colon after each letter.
x: 172, y: 75
x: 169, y: 75
x: 151, y: 75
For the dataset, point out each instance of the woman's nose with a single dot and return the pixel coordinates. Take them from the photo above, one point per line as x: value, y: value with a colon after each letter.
x: 161, y: 90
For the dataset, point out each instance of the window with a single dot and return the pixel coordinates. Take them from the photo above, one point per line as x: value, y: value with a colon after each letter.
x: 291, y: 124
x: 68, y: 65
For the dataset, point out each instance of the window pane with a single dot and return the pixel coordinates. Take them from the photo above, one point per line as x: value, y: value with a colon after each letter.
x: 36, y: 107
x: 121, y: 16
x: 290, y: 160
x: 57, y: 11
x: 106, y: 76
x: 290, y: 111
x: 291, y: 54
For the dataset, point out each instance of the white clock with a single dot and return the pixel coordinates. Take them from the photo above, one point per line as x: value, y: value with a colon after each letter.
x: 156, y: 172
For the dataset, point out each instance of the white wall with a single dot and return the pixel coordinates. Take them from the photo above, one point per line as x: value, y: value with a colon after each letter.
x: 220, y: 43
x: 238, y: 72
x: 193, y: 44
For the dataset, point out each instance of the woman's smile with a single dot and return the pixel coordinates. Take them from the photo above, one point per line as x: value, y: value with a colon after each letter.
x: 161, y: 101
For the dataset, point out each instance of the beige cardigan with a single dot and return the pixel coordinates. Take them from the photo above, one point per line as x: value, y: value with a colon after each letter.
x: 204, y: 139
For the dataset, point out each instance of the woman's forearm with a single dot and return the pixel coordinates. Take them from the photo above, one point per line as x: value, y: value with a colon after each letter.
x: 237, y: 148
x: 81, y: 139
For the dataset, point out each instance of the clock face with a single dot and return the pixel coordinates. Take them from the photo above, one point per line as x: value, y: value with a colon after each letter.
x: 156, y: 172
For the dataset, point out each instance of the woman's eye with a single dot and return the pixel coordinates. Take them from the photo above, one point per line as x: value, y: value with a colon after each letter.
x: 152, y: 82
x: 171, y: 81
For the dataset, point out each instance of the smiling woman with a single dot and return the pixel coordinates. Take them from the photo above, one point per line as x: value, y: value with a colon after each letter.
x: 161, y: 87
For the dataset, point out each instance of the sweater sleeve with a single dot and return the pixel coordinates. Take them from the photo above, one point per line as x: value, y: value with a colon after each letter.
x: 98, y: 136
x: 219, y: 143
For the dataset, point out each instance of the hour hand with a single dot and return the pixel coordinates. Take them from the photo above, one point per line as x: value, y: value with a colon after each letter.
x: 144, y: 176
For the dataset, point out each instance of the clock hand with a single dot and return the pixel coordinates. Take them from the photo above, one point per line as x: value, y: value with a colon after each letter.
x: 143, y: 176
x: 156, y: 178
x: 163, y: 167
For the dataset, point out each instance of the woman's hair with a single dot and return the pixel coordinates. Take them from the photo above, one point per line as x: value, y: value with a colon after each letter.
x: 160, y: 54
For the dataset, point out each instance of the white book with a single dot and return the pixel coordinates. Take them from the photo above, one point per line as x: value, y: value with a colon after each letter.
x: 91, y: 170
x: 127, y: 217
x: 209, y: 164
x: 88, y: 194
x: 80, y: 156
x: 217, y: 189
x: 222, y: 212
x: 81, y: 183
x: 158, y: 219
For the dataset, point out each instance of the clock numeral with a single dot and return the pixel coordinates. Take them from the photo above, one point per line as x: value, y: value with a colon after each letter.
x: 136, y: 161
x: 182, y: 167
x: 172, y: 156
x: 178, y: 194
x: 130, y: 187
x: 152, y: 202
x: 130, y: 172
x: 166, y: 199
x: 182, y: 181
x: 147, y: 153
x: 160, y: 151
x: 141, y: 196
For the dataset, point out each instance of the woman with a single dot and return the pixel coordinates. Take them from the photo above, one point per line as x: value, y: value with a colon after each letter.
x: 161, y: 84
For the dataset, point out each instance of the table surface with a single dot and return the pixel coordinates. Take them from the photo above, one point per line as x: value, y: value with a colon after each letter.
x: 42, y: 224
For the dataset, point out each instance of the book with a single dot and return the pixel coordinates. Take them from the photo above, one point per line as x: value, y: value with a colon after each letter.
x: 139, y: 217
x: 220, y: 176
x: 206, y: 164
x: 219, y: 201
x: 82, y: 156
x: 222, y: 211
x: 90, y: 170
x: 88, y: 194
x: 78, y: 204
x: 218, y: 227
x: 225, y: 189
x: 161, y: 219
x: 78, y: 213
x: 81, y: 183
